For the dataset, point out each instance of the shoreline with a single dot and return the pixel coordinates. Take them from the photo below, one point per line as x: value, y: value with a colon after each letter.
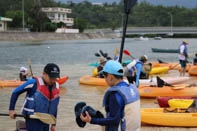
x: 39, y: 36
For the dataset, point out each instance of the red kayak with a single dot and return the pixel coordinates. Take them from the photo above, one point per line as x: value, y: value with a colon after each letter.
x: 163, y: 101
x: 62, y: 80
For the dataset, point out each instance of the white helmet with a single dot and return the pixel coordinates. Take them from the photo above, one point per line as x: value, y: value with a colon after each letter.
x: 23, y: 69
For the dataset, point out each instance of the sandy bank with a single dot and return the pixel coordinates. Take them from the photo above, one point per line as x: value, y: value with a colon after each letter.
x: 23, y: 36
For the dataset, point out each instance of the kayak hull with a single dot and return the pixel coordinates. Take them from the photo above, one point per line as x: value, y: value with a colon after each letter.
x: 172, y: 66
x: 16, y: 83
x: 157, y: 116
x: 159, y: 70
x: 169, y: 80
x: 157, y: 50
x: 95, y: 81
x: 177, y: 91
x: 193, y: 71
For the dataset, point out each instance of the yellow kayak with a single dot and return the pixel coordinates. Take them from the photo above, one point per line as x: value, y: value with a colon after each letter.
x: 159, y: 70
x: 157, y: 116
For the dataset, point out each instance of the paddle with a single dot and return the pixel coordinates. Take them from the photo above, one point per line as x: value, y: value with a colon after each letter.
x: 174, y: 66
x: 97, y: 54
x: 45, y: 118
x: 128, y: 53
x: 105, y: 55
x: 116, y: 57
x: 29, y: 63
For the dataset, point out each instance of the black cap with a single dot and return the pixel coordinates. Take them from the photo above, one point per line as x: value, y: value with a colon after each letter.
x: 52, y: 70
x: 78, y: 108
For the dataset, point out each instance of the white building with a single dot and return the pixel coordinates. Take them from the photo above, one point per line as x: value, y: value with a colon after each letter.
x: 57, y: 15
x: 3, y: 23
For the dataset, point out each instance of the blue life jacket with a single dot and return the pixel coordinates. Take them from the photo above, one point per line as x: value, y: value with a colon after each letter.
x: 131, y: 71
x: 130, y: 96
x: 43, y: 100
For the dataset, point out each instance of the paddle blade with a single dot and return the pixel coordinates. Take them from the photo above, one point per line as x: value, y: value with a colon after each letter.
x: 116, y: 52
x: 97, y: 55
x: 105, y: 55
x: 45, y: 118
x: 126, y: 52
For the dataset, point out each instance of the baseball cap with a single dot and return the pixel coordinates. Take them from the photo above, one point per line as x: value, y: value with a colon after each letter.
x: 102, y: 60
x: 185, y: 41
x: 52, y: 70
x: 144, y: 57
x: 113, y: 67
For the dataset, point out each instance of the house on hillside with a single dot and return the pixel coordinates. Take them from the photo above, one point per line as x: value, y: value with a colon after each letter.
x: 57, y: 15
x: 3, y: 23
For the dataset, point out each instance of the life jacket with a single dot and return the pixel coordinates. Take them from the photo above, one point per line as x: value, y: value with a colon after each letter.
x: 195, y: 61
x: 131, y: 116
x: 43, y: 100
x: 22, y: 77
x: 131, y: 68
x: 185, y: 50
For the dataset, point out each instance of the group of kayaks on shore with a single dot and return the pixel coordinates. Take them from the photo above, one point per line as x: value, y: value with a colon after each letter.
x: 177, y: 102
x: 178, y: 106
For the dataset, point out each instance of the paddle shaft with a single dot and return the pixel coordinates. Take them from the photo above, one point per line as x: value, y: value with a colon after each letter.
x: 174, y: 66
x: 16, y: 115
x: 29, y: 63
x: 31, y: 70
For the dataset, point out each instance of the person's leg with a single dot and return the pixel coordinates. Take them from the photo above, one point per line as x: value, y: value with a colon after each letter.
x: 184, y: 67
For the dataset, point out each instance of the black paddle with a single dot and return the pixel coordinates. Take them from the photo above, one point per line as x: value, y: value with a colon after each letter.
x: 105, y: 55
x: 102, y: 53
x: 97, y: 54
x: 161, y: 83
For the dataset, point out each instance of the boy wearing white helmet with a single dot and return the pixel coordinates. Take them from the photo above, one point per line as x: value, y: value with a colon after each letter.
x: 23, y: 75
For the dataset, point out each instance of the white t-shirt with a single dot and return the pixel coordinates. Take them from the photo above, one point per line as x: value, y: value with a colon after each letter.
x: 181, y: 57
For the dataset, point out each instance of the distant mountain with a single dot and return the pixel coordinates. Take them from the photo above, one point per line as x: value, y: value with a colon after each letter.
x: 185, y: 3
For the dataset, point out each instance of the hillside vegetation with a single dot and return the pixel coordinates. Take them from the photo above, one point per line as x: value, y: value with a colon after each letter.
x: 91, y: 16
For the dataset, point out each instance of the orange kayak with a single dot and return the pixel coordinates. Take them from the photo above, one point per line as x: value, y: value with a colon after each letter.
x: 16, y: 83
x: 193, y: 71
x: 177, y: 90
x: 157, y: 116
x: 94, y: 81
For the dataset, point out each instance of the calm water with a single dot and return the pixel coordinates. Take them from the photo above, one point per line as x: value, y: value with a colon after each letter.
x: 73, y: 57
